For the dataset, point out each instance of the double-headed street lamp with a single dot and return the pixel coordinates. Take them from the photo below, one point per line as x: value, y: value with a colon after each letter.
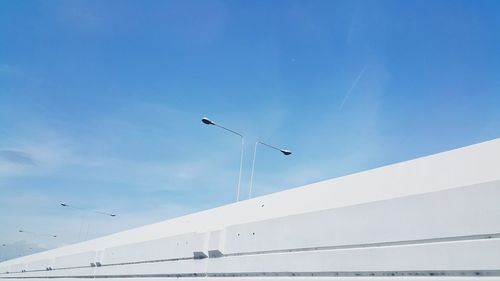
x: 285, y: 152
x: 37, y: 234
x: 83, y: 209
x: 84, y: 216
x: 207, y: 121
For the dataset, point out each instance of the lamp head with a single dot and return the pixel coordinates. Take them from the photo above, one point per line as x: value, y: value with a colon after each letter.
x: 207, y: 121
x: 285, y: 151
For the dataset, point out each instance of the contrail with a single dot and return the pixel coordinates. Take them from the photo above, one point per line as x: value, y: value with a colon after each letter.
x: 352, y: 88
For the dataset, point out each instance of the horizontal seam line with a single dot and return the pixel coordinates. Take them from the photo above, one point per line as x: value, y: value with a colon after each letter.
x: 320, y: 248
x: 288, y: 274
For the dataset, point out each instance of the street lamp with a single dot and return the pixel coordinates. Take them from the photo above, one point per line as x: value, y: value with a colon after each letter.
x: 207, y: 121
x: 285, y: 152
x: 83, y: 209
x: 84, y: 217
x: 37, y: 234
x: 37, y: 240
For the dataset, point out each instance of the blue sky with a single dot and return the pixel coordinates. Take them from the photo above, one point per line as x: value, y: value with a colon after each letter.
x: 101, y: 101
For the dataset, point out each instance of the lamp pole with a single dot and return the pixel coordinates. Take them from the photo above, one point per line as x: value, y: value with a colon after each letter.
x: 38, y: 240
x: 86, y: 216
x: 37, y: 234
x: 285, y: 152
x: 207, y: 121
x: 2, y: 255
x: 83, y: 209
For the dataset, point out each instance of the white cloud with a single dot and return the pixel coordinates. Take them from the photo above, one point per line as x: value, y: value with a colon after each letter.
x: 353, y: 85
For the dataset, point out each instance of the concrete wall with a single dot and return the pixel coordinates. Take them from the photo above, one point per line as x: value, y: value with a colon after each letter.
x: 451, y: 229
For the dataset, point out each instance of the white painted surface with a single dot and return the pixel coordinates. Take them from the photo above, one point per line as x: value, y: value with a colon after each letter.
x: 308, y: 279
x: 429, y: 214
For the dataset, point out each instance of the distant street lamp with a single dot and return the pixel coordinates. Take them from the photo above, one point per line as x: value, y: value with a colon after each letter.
x: 83, y: 209
x: 37, y: 234
x: 285, y: 152
x: 207, y: 121
x: 83, y: 217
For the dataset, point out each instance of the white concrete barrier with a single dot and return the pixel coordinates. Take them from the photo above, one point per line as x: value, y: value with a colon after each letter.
x: 433, y: 217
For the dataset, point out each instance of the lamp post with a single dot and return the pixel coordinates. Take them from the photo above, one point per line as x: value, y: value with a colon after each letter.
x: 37, y: 240
x: 207, y: 121
x: 2, y: 253
x: 37, y: 234
x: 83, y: 209
x: 285, y: 152
x: 83, y: 218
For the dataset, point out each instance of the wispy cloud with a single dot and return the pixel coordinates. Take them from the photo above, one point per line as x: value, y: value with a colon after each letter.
x: 353, y: 85
x: 16, y: 157
x: 66, y: 160
x: 31, y: 159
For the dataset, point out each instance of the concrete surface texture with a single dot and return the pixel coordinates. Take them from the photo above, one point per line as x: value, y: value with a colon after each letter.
x: 435, y: 217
